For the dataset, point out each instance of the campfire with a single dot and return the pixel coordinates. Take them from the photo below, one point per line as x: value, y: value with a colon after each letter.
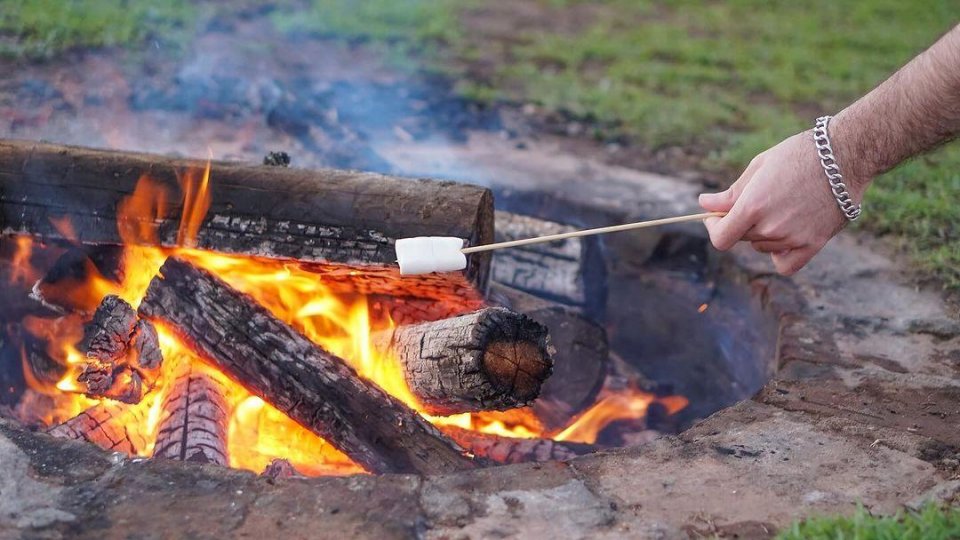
x: 251, y: 317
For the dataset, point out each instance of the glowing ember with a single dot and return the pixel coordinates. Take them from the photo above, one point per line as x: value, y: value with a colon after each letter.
x: 257, y: 433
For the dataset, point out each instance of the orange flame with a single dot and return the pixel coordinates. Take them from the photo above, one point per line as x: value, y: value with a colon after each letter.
x: 196, y: 202
x: 341, y: 323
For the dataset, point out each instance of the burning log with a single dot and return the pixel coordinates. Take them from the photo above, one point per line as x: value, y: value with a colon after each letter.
x: 571, y: 272
x: 123, y: 353
x: 327, y: 215
x: 193, y: 425
x: 513, y: 450
x: 313, y: 387
x: 581, y: 360
x: 492, y: 359
x: 112, y: 426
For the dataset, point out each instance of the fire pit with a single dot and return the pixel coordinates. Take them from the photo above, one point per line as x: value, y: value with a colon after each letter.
x: 252, y: 317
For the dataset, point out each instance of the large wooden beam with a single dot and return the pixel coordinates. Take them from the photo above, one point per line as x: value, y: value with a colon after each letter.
x: 492, y: 359
x: 310, y: 385
x: 320, y: 215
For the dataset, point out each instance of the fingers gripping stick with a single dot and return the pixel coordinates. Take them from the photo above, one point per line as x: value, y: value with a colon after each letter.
x: 427, y: 254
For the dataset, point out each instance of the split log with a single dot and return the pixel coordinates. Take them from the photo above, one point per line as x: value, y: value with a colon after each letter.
x: 310, y: 385
x: 580, y: 362
x: 492, y: 359
x: 123, y: 355
x: 571, y: 272
x: 193, y: 424
x: 513, y: 450
x: 334, y: 216
x: 115, y: 427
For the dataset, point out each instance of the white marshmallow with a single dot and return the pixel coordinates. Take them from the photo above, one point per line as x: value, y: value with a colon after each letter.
x: 426, y: 254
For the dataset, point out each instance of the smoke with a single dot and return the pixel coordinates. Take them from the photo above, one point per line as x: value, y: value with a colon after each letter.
x: 241, y: 89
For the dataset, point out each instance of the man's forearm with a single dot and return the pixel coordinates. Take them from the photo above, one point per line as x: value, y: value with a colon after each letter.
x: 912, y: 112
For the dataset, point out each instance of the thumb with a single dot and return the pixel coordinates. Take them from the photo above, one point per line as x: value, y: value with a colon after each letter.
x: 718, y: 202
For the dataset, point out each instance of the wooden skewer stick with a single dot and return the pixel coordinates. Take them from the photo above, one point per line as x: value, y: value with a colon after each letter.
x: 590, y: 232
x: 427, y: 254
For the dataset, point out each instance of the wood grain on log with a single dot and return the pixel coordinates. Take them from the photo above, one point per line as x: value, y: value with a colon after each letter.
x: 310, y: 385
x: 193, y: 424
x: 513, y: 450
x: 115, y: 427
x: 492, y: 359
x: 581, y: 360
x: 323, y: 215
x: 571, y: 271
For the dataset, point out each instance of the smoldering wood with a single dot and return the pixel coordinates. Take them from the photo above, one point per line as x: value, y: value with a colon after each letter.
x: 146, y: 347
x: 115, y: 427
x: 321, y: 215
x: 580, y: 360
x: 193, y: 424
x: 403, y: 298
x: 123, y: 356
x: 571, y: 271
x: 112, y: 381
x: 492, y: 359
x: 409, y: 310
x: 507, y: 450
x: 107, y: 337
x: 310, y: 385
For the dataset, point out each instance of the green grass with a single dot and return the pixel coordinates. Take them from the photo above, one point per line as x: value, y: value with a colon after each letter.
x: 931, y: 523
x: 43, y: 29
x: 726, y: 79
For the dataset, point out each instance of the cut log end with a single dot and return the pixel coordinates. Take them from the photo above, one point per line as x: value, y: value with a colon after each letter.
x: 517, y: 368
x: 492, y: 359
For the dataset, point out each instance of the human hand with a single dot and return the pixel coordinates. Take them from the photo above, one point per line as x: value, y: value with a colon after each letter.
x: 781, y: 204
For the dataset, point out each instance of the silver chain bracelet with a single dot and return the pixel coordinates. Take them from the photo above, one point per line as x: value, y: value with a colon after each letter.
x: 831, y: 168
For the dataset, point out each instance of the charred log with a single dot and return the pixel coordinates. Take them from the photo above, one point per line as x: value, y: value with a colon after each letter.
x: 492, y: 359
x: 513, y: 450
x: 112, y: 426
x: 193, y: 424
x: 571, y: 272
x: 580, y: 363
x: 123, y: 353
x: 107, y: 337
x: 310, y: 385
x: 325, y: 215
